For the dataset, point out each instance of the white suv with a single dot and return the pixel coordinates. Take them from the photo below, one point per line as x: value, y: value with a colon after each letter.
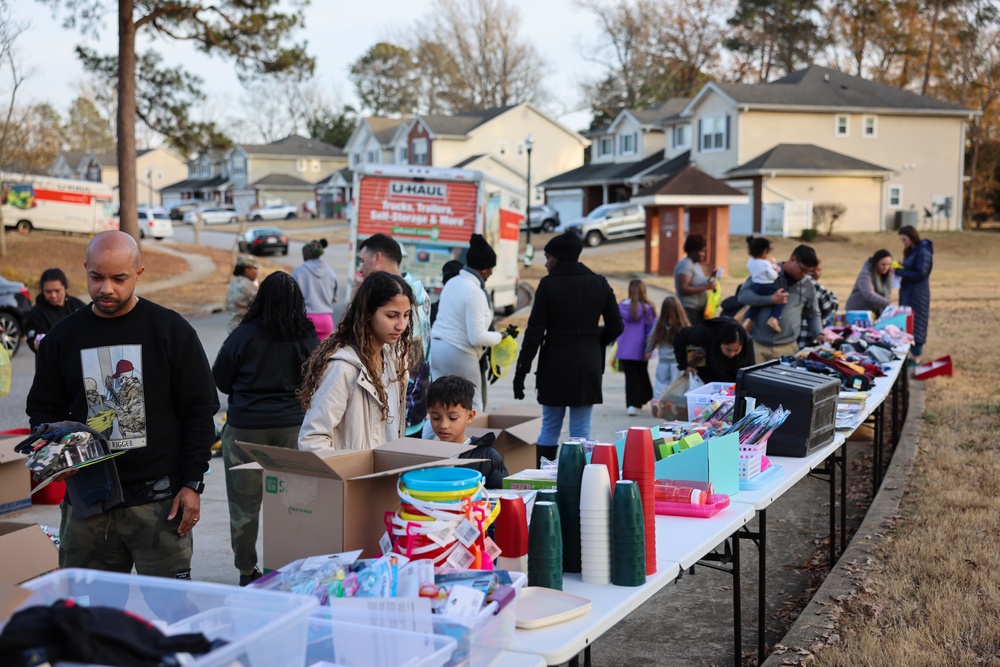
x: 611, y: 221
x: 155, y: 222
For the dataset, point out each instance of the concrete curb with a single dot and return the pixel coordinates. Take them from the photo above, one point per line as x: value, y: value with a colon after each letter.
x: 817, y: 621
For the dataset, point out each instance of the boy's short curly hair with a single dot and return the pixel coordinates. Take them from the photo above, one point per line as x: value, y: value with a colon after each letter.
x: 451, y: 390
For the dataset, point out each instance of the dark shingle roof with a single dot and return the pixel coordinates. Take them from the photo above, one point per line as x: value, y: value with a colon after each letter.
x: 821, y: 87
x: 190, y: 184
x: 595, y: 174
x: 668, y: 167
x: 660, y: 113
x: 281, y: 181
x: 467, y: 161
x: 690, y: 180
x: 462, y: 123
x: 803, y: 158
x: 346, y: 174
x: 384, y: 128
x: 296, y: 145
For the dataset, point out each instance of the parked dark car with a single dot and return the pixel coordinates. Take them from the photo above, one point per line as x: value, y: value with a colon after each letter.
x: 264, y: 240
x: 543, y: 218
x: 15, y: 302
x: 177, y: 211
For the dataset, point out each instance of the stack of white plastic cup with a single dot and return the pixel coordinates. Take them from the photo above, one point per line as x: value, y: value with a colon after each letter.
x: 595, y: 525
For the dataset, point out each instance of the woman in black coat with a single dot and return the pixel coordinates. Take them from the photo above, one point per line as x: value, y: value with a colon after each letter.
x: 565, y: 324
x: 51, y: 305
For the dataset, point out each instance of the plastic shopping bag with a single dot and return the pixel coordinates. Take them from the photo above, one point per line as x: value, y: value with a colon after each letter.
x: 673, y: 402
x: 613, y: 363
x: 713, y: 302
x: 5, y: 371
x: 503, y: 355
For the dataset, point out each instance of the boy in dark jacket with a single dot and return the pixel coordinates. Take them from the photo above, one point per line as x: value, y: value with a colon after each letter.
x: 449, y: 408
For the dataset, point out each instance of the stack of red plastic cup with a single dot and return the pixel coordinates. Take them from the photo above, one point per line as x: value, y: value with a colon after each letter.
x: 607, y: 454
x: 639, y: 466
x: 511, y: 534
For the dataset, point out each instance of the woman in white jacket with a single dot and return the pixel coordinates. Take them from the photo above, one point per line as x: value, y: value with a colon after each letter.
x: 354, y: 383
x: 461, y: 330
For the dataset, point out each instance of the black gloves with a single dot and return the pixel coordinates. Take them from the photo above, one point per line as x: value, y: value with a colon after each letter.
x: 519, y: 387
x: 512, y: 331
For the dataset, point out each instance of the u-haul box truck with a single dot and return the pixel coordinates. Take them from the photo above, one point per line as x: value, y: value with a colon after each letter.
x: 57, y: 204
x: 432, y: 213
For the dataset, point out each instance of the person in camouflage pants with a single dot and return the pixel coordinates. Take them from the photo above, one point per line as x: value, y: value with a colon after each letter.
x: 260, y: 367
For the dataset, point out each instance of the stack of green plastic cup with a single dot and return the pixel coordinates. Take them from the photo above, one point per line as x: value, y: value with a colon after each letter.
x: 628, y: 536
x: 545, y: 547
x: 569, y: 478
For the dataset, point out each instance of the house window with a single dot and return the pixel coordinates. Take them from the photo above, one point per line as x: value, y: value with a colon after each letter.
x: 372, y: 157
x: 355, y: 159
x: 300, y: 165
x: 895, y: 196
x: 842, y: 127
x: 869, y: 127
x: 502, y: 148
x: 682, y: 136
x: 402, y: 155
x: 420, y: 151
x: 627, y: 143
x: 314, y: 165
x: 239, y: 165
x: 714, y: 133
x: 520, y: 149
x: 606, y: 147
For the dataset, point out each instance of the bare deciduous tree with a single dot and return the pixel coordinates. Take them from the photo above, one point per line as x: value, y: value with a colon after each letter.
x: 10, y: 66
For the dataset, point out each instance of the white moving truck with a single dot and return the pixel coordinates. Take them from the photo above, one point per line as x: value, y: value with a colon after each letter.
x: 432, y: 213
x: 57, y: 204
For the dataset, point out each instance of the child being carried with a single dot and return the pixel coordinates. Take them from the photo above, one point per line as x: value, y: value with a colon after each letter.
x: 763, y: 274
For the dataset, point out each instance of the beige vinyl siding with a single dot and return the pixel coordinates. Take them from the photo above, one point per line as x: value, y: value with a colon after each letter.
x: 715, y: 162
x: 861, y: 196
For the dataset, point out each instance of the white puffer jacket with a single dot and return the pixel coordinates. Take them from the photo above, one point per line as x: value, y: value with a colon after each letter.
x: 464, y: 316
x: 345, y: 412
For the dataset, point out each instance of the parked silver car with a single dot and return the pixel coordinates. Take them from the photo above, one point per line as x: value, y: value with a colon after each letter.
x: 543, y: 218
x: 211, y: 215
x: 611, y: 221
x: 273, y: 212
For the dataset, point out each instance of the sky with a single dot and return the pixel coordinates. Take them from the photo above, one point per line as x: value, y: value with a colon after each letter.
x: 337, y: 33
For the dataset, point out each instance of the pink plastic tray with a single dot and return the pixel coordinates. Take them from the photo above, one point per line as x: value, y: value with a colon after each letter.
x: 716, y: 503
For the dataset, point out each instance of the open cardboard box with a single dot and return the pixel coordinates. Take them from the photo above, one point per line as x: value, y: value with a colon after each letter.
x: 516, y: 430
x: 15, y: 478
x: 321, y: 502
x: 25, y: 552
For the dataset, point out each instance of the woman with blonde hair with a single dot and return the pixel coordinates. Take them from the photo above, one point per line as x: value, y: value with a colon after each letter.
x: 354, y: 383
x: 639, y: 315
x: 671, y: 320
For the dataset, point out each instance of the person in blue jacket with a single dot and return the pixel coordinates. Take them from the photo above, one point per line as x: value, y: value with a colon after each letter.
x: 915, y: 284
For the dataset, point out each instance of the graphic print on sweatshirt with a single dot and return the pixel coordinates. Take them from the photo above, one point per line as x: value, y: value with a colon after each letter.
x: 116, y: 404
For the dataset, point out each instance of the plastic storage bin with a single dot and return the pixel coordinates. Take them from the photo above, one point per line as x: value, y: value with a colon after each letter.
x: 702, y: 397
x: 352, y: 645
x: 263, y: 628
x: 479, y: 640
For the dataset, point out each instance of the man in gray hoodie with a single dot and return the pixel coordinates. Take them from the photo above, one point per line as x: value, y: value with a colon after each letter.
x: 799, y: 296
x: 318, y: 283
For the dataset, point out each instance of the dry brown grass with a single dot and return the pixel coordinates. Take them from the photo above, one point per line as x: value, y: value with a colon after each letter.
x: 30, y: 254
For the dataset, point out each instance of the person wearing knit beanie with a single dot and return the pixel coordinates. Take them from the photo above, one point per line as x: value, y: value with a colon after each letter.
x: 566, y: 247
x: 480, y: 256
x: 314, y: 249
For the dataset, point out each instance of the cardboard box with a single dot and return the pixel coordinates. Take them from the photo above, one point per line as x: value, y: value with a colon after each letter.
x: 531, y: 479
x: 15, y: 478
x: 25, y: 552
x: 516, y: 430
x: 334, y: 501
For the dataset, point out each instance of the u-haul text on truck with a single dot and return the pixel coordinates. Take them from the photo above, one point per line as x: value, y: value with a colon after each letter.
x: 432, y: 213
x: 57, y: 204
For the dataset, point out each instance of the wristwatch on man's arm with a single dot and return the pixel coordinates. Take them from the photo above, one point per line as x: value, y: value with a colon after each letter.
x: 198, y: 487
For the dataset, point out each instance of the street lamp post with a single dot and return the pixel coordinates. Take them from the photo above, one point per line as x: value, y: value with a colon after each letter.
x: 529, y: 250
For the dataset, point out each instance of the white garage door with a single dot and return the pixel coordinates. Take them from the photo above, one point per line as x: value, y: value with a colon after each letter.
x: 569, y: 203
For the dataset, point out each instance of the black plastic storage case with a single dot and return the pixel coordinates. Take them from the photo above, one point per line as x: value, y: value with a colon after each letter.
x: 811, y: 398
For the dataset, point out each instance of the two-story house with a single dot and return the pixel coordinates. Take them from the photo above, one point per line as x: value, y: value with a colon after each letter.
x: 819, y: 136
x: 493, y: 141
x: 286, y: 171
x: 205, y: 182
x: 155, y: 168
x: 627, y: 155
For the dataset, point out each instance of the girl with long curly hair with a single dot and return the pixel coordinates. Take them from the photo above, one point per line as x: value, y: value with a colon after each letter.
x: 354, y: 386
